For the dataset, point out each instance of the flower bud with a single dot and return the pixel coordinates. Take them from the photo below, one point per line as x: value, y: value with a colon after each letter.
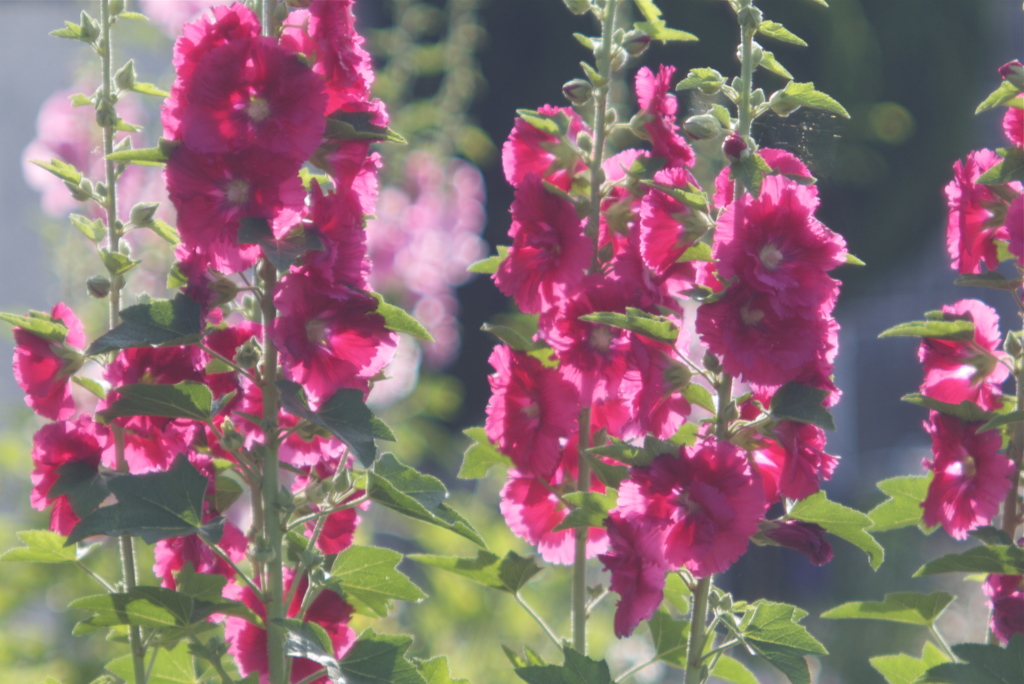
x: 757, y: 97
x: 1013, y: 345
x: 578, y: 91
x: 98, y: 286
x: 735, y: 148
x: 637, y: 125
x: 315, y: 492
x: 756, y: 53
x: 342, y: 480
x: 90, y: 29
x: 224, y: 290
x: 619, y: 57
x: 142, y: 213
x: 702, y: 127
x: 678, y: 376
x: 750, y: 17
x: 1014, y: 73
x: 231, y: 439
x: 115, y: 7
x: 106, y: 117
x: 77, y: 192
x: 585, y: 142
x: 636, y: 42
x: 248, y: 354
x: 711, y: 362
x: 696, y: 224
x: 260, y: 551
x: 578, y: 6
x: 782, y: 103
x: 124, y: 78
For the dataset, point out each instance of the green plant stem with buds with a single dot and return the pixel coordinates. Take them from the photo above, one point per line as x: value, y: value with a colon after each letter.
x: 579, y: 566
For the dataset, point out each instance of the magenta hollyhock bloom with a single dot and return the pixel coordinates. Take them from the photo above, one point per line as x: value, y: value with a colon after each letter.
x: 663, y: 237
x: 343, y: 262
x: 531, y: 150
x: 338, y: 529
x: 549, y: 254
x: 807, y: 538
x: 774, y: 244
x: 250, y: 94
x: 754, y: 341
x: 329, y: 340
x: 43, y: 367
x: 969, y: 240
x: 795, y: 462
x: 780, y: 161
x: 973, y: 370
x: 1006, y: 601
x: 56, y: 445
x: 531, y: 413
x: 659, y: 108
x: 213, y: 193
x: 971, y: 475
x: 1015, y: 226
x: 637, y: 564
x: 1013, y: 124
x: 710, y: 499
x: 247, y: 643
x: 654, y: 384
x: 171, y: 555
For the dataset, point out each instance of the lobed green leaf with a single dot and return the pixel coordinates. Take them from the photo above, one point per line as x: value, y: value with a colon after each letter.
x: 907, y: 607
x: 370, y: 575
x: 905, y: 669
x: 380, y: 659
x: 981, y: 664
x: 774, y: 29
x: 158, y: 323
x: 398, y: 320
x: 996, y: 559
x: 845, y: 523
x: 509, y: 573
x: 803, y: 404
x: 649, y: 325
x: 40, y: 546
x: 192, y: 400
x: 903, y: 507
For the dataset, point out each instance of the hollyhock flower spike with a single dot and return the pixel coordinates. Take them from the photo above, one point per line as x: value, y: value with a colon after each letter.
x: 970, y: 237
x: 531, y: 150
x: 659, y: 116
x: 780, y: 161
x: 43, y: 367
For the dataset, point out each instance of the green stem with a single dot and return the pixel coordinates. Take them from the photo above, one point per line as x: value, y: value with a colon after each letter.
x: 109, y: 588
x: 238, y: 571
x: 326, y: 511
x: 633, y: 670
x: 538, y: 619
x: 1011, y: 511
x: 746, y: 78
x: 941, y: 641
x: 604, y: 68
x: 313, y: 677
x: 698, y: 622
x: 579, y: 565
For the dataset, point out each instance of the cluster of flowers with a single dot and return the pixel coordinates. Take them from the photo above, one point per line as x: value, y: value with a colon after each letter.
x: 972, y: 473
x: 765, y: 317
x: 244, y: 115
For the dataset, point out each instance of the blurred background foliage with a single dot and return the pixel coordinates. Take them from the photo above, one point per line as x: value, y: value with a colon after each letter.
x: 453, y: 72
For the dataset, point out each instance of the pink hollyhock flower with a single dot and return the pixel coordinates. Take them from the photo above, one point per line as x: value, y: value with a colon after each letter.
x: 250, y: 94
x: 338, y: 530
x: 774, y: 244
x: 329, y: 340
x: 1013, y: 124
x: 710, y: 499
x: 780, y: 161
x: 171, y: 555
x: 1006, y: 601
x: 343, y: 263
x: 807, y: 538
x: 247, y: 643
x: 655, y: 381
x: 794, y: 462
x: 531, y: 150
x: 43, y: 367
x: 956, y: 371
x: 54, y: 446
x: 225, y: 341
x: 971, y: 476
x: 663, y: 234
x: 638, y: 566
x: 659, y: 109
x: 970, y: 239
x: 1015, y: 226
x: 212, y: 193
x: 549, y: 254
x: 755, y: 341
x: 531, y: 413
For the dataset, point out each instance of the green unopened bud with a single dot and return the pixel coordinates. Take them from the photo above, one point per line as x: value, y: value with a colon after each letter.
x: 585, y: 142
x: 696, y: 224
x: 637, y: 125
x: 610, y: 116
x: 307, y: 431
x: 248, y: 354
x: 224, y: 290
x: 143, y: 212
x: 750, y: 17
x: 101, y: 189
x: 98, y: 286
x: 231, y: 439
x: 315, y: 492
x: 619, y: 57
x: 1013, y: 345
x: 260, y: 551
x: 636, y: 42
x: 578, y: 6
x: 782, y: 104
x: 756, y: 53
x: 77, y: 191
x: 678, y: 376
x: 90, y: 28
x: 578, y: 91
x: 115, y: 7
x: 106, y: 117
x: 124, y: 78
x: 702, y: 127
x: 711, y: 362
x: 144, y: 298
x: 757, y: 98
x: 342, y: 480
x: 731, y: 413
x: 1014, y: 73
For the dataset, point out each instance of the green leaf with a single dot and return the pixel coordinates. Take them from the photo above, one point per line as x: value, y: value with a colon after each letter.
x: 774, y: 29
x: 491, y: 264
x: 117, y: 263
x: 1004, y: 419
x: 345, y: 415
x: 593, y: 76
x: 359, y: 126
x: 610, y: 475
x: 802, y: 403
x: 511, y: 337
x: 958, y: 330
x: 905, y: 669
x: 158, y: 323
x: 70, y: 31
x: 1000, y: 96
x: 435, y: 671
x: 510, y: 573
x: 906, y: 606
x: 184, y: 400
x: 370, y: 574
x: 281, y: 252
x: 142, y: 606
x: 480, y: 456
x: 731, y: 670
x: 1011, y: 168
x: 655, y: 26
x: 903, y: 507
x: 39, y: 324
x: 769, y: 63
x: 994, y: 560
x: 750, y: 172
x: 576, y: 669
x: 966, y: 411
x: 145, y: 156
x: 94, y: 386
x: 773, y: 630
x: 380, y: 659
x: 851, y: 260
x: 982, y: 664
x: 84, y: 486
x: 642, y: 323
x: 92, y: 229
x: 994, y: 280
x: 845, y: 523
x: 991, y: 536
x: 149, y: 89
x: 310, y: 640
x: 585, y: 41
x: 804, y: 95
x: 699, y: 395
x: 591, y: 509
x: 165, y: 232
x: 60, y: 169
x: 154, y: 506
x: 698, y: 251
x: 172, y: 666
x: 670, y: 637
x: 396, y: 319
x: 403, y: 489
x: 41, y: 546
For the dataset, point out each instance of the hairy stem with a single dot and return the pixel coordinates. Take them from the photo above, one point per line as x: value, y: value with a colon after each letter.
x: 698, y: 623
x: 579, y: 565
x: 538, y: 619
